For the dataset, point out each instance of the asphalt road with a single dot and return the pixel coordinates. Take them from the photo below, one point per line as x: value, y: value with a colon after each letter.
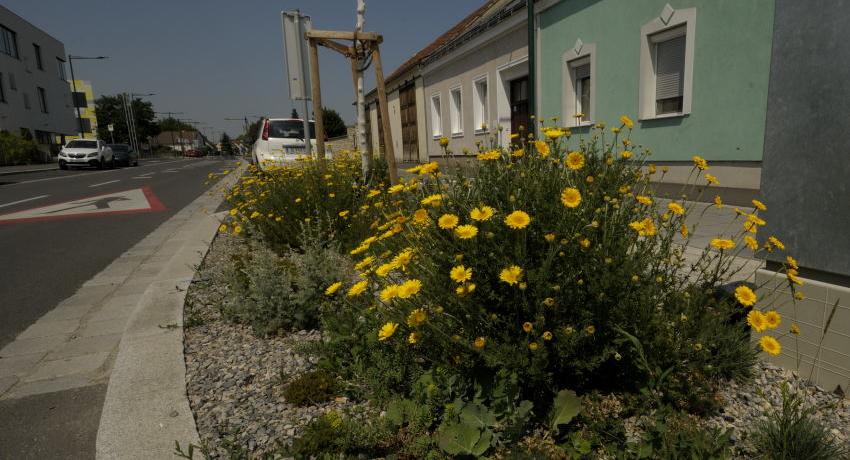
x: 43, y: 262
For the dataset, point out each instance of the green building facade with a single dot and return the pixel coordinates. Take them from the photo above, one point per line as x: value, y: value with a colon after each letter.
x: 711, y: 57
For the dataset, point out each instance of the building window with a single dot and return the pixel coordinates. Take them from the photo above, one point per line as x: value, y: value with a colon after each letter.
x: 436, y: 116
x: 42, y: 99
x: 37, y: 50
x: 2, y: 88
x: 27, y: 101
x: 480, y: 106
x: 86, y: 125
x: 456, y: 111
x: 8, y: 42
x: 80, y: 99
x: 579, y: 84
x: 12, y: 83
x: 60, y: 64
x: 667, y: 58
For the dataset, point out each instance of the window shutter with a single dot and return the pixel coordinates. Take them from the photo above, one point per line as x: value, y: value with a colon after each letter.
x: 582, y: 71
x: 669, y: 68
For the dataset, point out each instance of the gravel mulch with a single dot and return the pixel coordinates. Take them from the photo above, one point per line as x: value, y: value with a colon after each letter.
x: 234, y: 378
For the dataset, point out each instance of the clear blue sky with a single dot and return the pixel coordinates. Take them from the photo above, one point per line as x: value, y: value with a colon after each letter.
x: 215, y: 59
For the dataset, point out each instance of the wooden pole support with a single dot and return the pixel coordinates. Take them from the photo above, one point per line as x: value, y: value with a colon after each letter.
x: 385, y: 115
x: 317, y: 101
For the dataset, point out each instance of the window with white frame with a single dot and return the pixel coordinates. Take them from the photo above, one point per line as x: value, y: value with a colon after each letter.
x: 667, y: 57
x: 436, y: 116
x: 579, y: 88
x: 480, y: 107
x: 456, y: 111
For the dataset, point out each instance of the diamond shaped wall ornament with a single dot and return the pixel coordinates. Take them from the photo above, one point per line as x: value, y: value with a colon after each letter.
x: 578, y: 45
x: 666, y: 14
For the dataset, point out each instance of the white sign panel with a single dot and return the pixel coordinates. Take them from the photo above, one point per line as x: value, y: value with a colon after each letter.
x: 295, y: 47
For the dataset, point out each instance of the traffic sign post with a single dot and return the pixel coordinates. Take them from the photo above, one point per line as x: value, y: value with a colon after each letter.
x: 111, y: 129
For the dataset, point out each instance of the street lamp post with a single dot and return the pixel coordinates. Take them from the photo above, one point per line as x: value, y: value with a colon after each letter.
x: 135, y: 134
x: 74, y: 86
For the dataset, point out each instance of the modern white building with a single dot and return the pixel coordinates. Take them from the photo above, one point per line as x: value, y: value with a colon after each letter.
x: 34, y: 95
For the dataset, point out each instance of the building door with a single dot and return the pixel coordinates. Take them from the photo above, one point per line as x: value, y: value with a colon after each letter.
x: 409, y: 132
x: 519, y: 106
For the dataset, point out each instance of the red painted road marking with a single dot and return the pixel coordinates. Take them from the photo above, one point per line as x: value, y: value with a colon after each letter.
x: 131, y: 201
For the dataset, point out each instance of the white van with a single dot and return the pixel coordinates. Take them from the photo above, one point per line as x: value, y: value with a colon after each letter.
x: 281, y: 140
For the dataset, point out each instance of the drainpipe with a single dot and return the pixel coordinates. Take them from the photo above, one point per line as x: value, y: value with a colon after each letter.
x: 532, y: 67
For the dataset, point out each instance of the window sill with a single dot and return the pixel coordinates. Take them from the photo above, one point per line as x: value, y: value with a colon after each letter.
x: 480, y: 131
x: 663, y: 116
x: 437, y: 136
x: 583, y: 124
x: 456, y: 135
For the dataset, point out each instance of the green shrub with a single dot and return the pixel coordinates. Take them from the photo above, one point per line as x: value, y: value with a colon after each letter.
x: 792, y: 432
x: 673, y: 434
x: 310, y: 388
x: 15, y: 150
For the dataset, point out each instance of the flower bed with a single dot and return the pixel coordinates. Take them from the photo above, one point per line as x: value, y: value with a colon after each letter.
x: 539, y: 304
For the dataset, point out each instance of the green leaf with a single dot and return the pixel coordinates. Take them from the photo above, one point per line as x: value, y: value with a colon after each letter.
x: 566, y: 406
x: 458, y: 438
x: 484, y: 443
x: 477, y: 415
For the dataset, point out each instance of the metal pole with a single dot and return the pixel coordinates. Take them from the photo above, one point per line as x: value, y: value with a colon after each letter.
x: 532, y: 69
x: 305, y: 118
x: 126, y: 116
x: 317, y: 100
x: 74, y: 97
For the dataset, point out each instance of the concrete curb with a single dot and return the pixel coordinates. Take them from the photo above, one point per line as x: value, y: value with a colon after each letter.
x: 146, y: 408
x: 25, y: 171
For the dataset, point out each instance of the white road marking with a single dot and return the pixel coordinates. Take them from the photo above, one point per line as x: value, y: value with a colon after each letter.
x: 24, y: 201
x: 104, y: 183
x: 70, y: 175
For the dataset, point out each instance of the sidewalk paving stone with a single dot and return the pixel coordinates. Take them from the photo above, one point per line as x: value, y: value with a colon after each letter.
x: 19, y: 365
x: 86, y: 345
x: 49, y: 328
x: 104, y: 327
x: 56, y: 368
x: 30, y: 346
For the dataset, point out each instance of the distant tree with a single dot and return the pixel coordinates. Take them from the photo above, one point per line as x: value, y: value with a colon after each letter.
x: 253, y: 132
x: 294, y: 113
x: 110, y: 111
x: 334, y: 126
x: 173, y: 124
x: 226, y: 145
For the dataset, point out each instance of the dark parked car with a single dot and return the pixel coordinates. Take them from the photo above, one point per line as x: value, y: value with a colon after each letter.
x: 124, y: 155
x: 192, y: 153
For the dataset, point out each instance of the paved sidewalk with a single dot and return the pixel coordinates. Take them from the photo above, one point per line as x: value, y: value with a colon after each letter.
x: 22, y: 169
x: 91, y: 337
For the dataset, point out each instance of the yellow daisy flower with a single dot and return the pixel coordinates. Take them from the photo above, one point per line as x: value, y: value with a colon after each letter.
x: 745, y: 295
x: 460, y: 274
x: 517, y: 220
x: 387, y: 331
x: 770, y: 345
x: 571, y: 197
x: 511, y: 275
x: 333, y: 288
x: 482, y: 213
x: 575, y: 161
x: 448, y: 221
x: 466, y: 232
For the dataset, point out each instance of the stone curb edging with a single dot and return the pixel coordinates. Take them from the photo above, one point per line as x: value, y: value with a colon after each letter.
x: 146, y: 408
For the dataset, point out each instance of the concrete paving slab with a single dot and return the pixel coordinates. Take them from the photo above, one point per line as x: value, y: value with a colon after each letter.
x: 30, y: 346
x: 105, y: 327
x: 89, y: 295
x: 67, y: 311
x: 6, y: 383
x: 47, y: 328
x: 85, y: 345
x: 53, y: 369
x: 68, y: 382
x: 19, y: 365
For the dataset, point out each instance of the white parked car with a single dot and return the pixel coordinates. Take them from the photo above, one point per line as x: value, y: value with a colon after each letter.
x: 281, y: 140
x: 86, y: 152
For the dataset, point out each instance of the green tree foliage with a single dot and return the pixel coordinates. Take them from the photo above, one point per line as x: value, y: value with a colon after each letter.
x: 110, y: 110
x: 334, y: 126
x: 253, y: 132
x: 16, y: 149
x: 173, y: 124
x: 226, y: 145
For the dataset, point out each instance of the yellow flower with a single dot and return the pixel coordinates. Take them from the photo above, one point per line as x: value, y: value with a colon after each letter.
x: 711, y: 179
x: 237, y: 229
x: 745, y: 295
x: 479, y: 343
x: 700, y: 162
x: 584, y: 242
x: 465, y: 289
x: 420, y: 216
x: 542, y: 148
x: 517, y: 220
x: 751, y: 226
x: 358, y: 288
x: 466, y: 232
x: 448, y: 221
x: 414, y: 337
x: 718, y: 202
x: 385, y: 269
x: 343, y: 213
x: 429, y: 168
x: 772, y: 319
x: 759, y: 205
x: 571, y: 197
x: 684, y: 231
x: 333, y: 288
x: 794, y: 329
x: 432, y: 200
x: 518, y: 153
x: 527, y: 327
x: 645, y: 227
x: 770, y: 345
x: 396, y: 188
x: 792, y: 276
x: 490, y: 155
x: 511, y: 275
x: 645, y: 200
x: 234, y: 211
x: 757, y: 320
x: 222, y: 228
x: 254, y: 215
x: 409, y: 288
x: 387, y: 331
x: 460, y: 274
x: 575, y: 161
x: 389, y: 292
x: 444, y: 141
x: 751, y: 242
x: 547, y: 336
x: 533, y: 346
x: 676, y: 208
x: 627, y: 122
x: 553, y: 133
x: 722, y: 243
x: 799, y: 295
x: 590, y: 329
x: 481, y: 214
x: 403, y: 258
x: 549, y: 237
x: 417, y: 317
x: 549, y: 301
x: 792, y: 262
x: 626, y: 154
x: 775, y: 242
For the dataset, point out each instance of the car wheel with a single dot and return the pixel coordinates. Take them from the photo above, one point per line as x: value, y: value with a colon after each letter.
x: 62, y: 165
x: 136, y: 163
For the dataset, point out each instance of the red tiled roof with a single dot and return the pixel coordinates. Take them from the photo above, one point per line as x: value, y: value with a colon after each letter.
x: 446, y: 37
